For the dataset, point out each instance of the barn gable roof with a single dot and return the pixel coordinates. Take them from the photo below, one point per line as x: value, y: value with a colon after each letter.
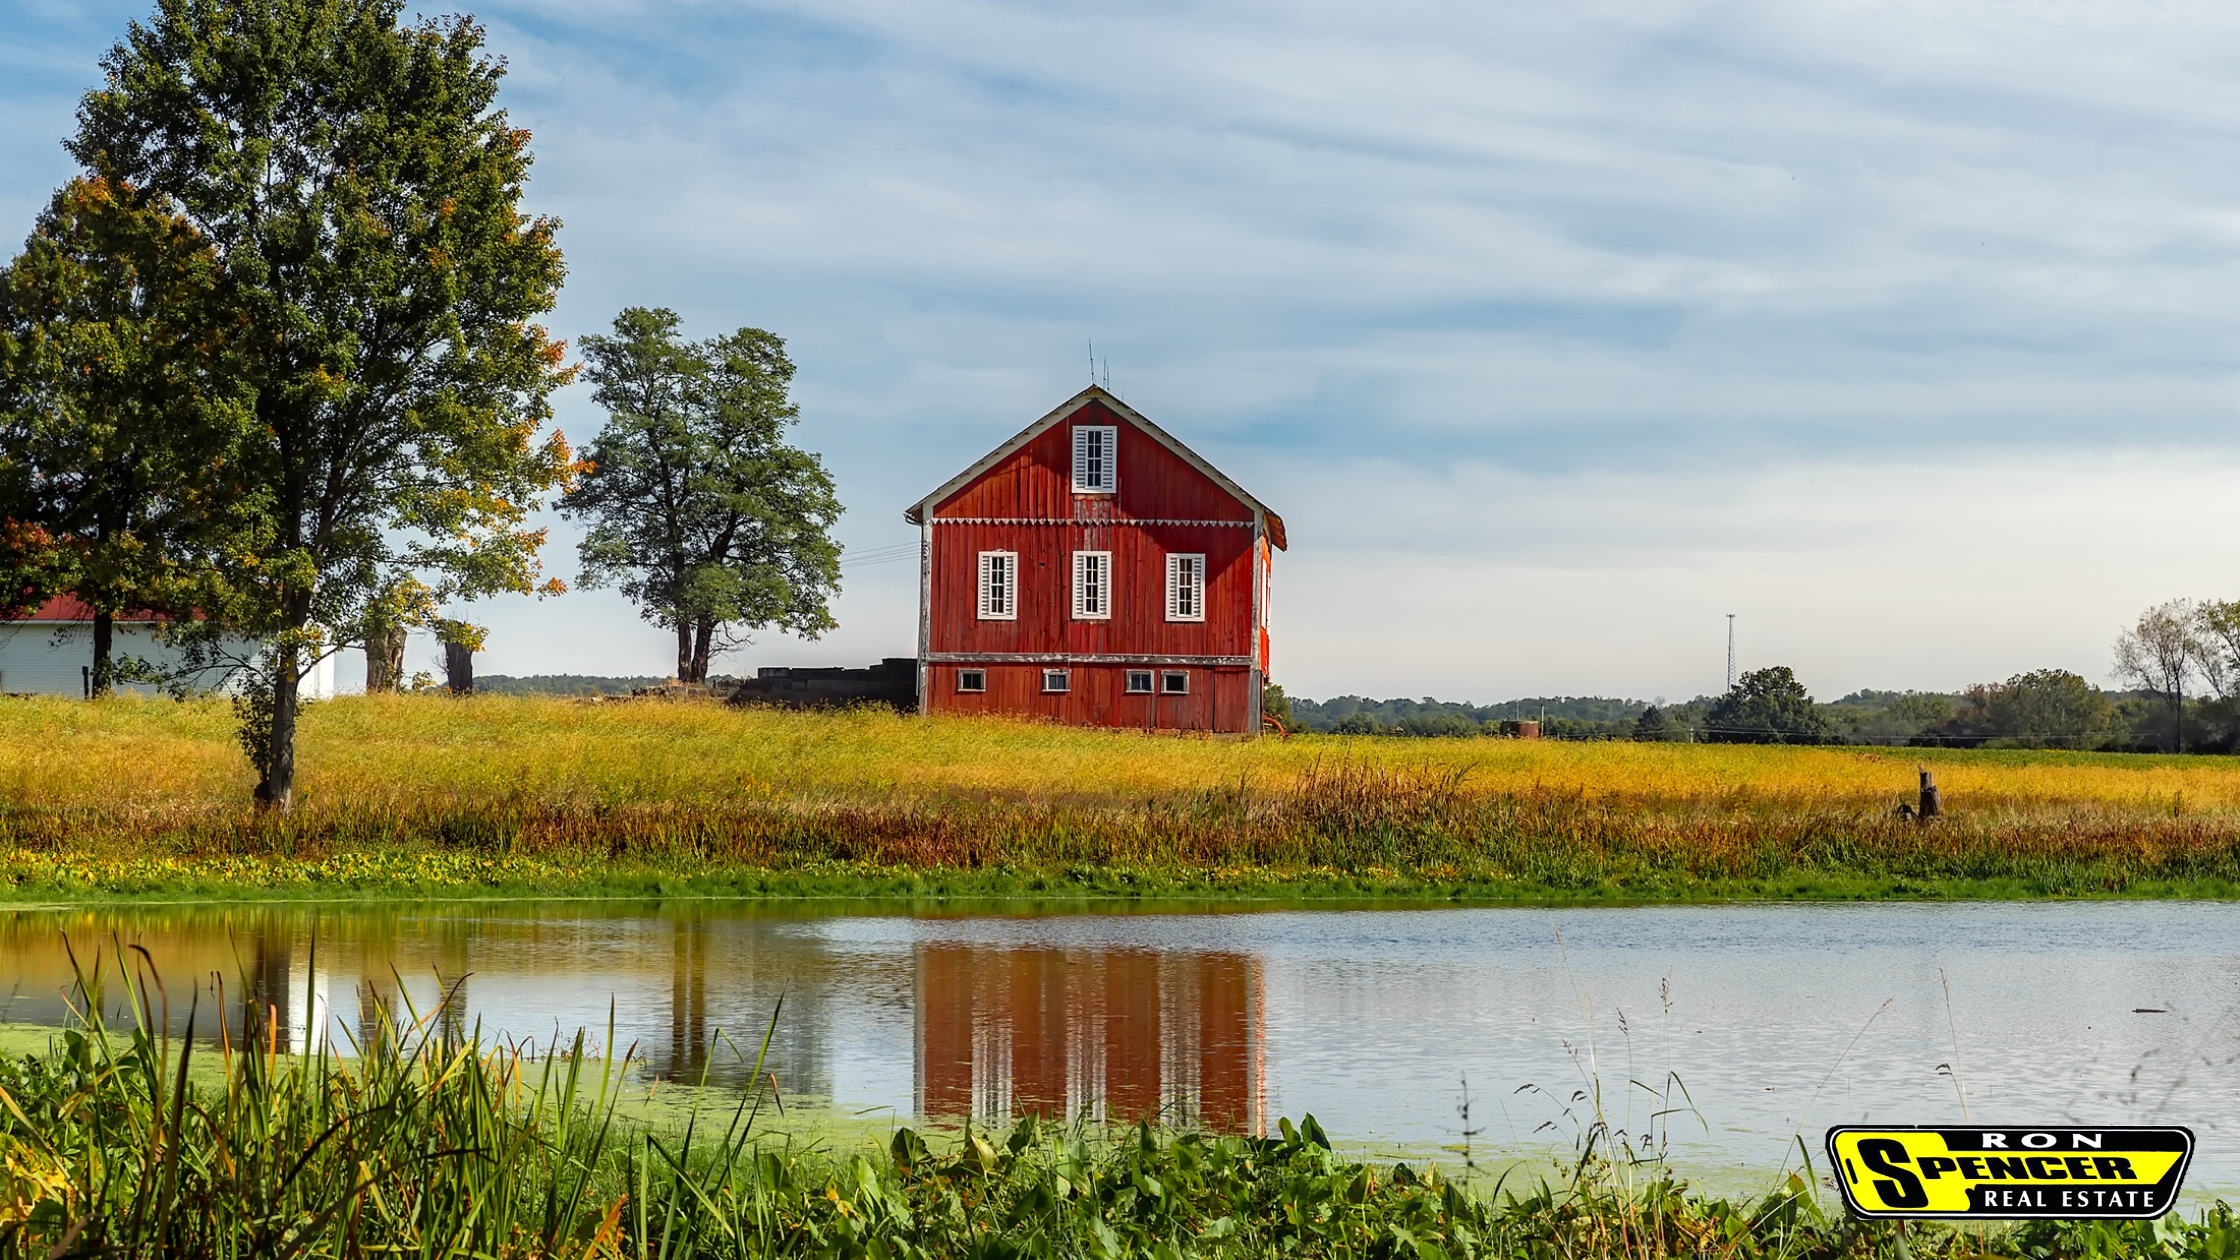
x: 917, y: 511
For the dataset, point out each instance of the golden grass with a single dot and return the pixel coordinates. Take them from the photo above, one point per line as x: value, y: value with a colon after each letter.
x: 552, y: 782
x: 137, y: 755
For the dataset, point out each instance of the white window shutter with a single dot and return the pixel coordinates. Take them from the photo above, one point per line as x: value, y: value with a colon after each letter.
x: 1186, y: 587
x: 1095, y: 459
x: 999, y: 586
x: 1092, y: 585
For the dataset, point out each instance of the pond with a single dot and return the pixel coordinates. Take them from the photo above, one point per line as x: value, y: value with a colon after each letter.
x: 1724, y: 1031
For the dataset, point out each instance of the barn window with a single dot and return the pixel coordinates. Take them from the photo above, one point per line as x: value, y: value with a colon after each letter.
x: 1092, y: 585
x: 1057, y: 680
x: 1186, y: 588
x: 1139, y: 682
x: 972, y: 680
x: 1175, y: 682
x: 999, y: 586
x: 1095, y: 464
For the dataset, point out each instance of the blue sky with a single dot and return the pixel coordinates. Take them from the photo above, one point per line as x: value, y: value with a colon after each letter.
x: 1905, y: 331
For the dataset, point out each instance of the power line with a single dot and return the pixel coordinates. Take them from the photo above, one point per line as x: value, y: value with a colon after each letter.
x: 879, y: 555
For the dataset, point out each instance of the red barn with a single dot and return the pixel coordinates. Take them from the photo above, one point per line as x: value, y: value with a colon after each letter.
x: 1096, y: 571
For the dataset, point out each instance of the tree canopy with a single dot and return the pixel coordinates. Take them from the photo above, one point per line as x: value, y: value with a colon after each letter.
x: 2040, y: 708
x: 115, y: 403
x: 1768, y: 706
x: 360, y: 192
x: 699, y: 509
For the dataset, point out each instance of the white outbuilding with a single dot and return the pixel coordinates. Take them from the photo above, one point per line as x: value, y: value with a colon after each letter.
x: 50, y: 652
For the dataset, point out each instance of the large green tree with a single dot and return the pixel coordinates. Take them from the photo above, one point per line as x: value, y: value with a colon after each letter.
x: 698, y: 507
x: 362, y: 193
x: 115, y: 403
x: 1768, y: 706
x: 2045, y: 707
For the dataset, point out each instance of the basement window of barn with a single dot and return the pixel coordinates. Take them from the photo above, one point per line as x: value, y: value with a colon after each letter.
x: 972, y: 680
x: 1057, y: 680
x: 1186, y: 587
x: 1139, y: 682
x: 1092, y: 585
x: 999, y: 586
x: 1175, y: 682
x: 1096, y: 467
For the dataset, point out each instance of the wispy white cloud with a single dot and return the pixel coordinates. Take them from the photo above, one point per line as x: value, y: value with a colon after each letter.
x: 1551, y: 297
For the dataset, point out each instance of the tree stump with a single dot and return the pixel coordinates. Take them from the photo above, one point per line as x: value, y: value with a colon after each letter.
x: 458, y: 668
x: 385, y: 660
x: 1931, y: 803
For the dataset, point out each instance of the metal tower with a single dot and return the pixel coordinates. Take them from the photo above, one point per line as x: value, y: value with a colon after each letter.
x: 1730, y: 651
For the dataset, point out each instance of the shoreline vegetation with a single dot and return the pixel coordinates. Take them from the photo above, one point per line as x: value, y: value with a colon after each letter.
x: 503, y: 796
x: 424, y: 1140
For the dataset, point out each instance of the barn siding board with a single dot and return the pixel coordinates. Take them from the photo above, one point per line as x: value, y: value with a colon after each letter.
x: 1099, y: 696
x: 1139, y: 590
x: 1023, y: 502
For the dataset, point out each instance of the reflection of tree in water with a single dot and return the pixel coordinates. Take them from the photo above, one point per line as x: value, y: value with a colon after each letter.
x: 453, y: 963
x: 1119, y: 1036
x: 999, y: 1031
x: 722, y: 977
x: 266, y: 990
x: 686, y: 1054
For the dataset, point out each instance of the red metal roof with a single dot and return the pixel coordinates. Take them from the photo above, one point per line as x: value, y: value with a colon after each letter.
x: 71, y: 608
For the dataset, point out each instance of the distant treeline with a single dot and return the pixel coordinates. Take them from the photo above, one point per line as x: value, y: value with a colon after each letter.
x: 1577, y: 717
x: 2047, y: 708
x: 2040, y: 709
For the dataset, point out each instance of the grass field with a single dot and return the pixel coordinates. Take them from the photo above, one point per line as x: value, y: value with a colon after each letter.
x: 423, y: 794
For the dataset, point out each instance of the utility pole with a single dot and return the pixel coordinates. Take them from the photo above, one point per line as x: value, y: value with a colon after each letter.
x: 1730, y: 651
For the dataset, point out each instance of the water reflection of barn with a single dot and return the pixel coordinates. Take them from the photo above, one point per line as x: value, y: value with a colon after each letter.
x: 1115, y: 1036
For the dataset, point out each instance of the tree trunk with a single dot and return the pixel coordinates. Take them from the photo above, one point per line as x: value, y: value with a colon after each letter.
x: 703, y: 637
x: 1932, y: 801
x: 104, y: 644
x: 385, y: 660
x: 684, y: 651
x: 458, y: 668
x: 278, y: 788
